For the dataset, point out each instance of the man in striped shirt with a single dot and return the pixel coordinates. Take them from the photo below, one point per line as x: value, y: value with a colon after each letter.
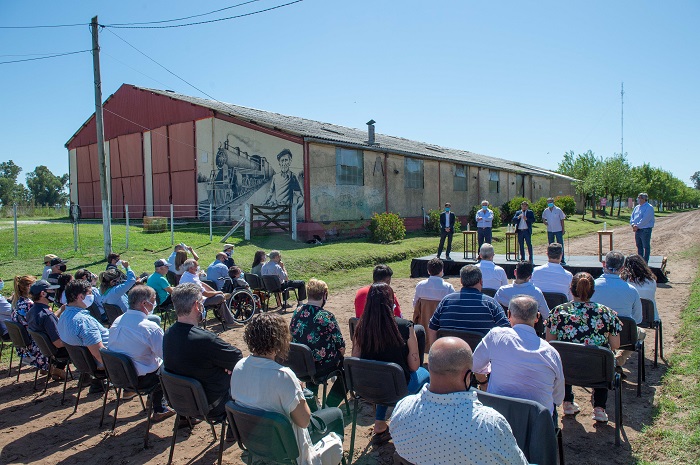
x: 467, y: 309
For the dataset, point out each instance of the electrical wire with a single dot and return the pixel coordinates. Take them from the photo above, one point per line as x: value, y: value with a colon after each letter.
x: 183, y: 18
x: 204, y: 22
x: 45, y: 57
x: 45, y: 26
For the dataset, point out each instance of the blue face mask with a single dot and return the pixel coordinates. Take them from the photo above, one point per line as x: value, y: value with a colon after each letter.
x: 550, y: 205
x: 484, y: 207
x: 447, y: 209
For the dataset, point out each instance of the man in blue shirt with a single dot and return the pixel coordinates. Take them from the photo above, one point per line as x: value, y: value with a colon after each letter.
x: 467, y: 309
x: 218, y: 269
x: 484, y: 223
x: 642, y: 222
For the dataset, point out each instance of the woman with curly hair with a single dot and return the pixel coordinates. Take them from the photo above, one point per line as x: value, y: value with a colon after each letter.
x: 637, y: 273
x: 21, y: 303
x: 258, y: 381
x: 382, y: 336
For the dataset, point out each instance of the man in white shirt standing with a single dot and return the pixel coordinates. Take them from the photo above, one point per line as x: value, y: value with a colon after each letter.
x: 522, y: 286
x: 553, y: 217
x: 484, y: 223
x: 521, y: 364
x: 431, y: 290
x: 133, y: 334
x: 552, y: 277
x: 493, y: 275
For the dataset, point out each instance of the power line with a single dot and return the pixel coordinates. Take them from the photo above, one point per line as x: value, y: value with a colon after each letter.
x: 134, y: 69
x: 45, y: 26
x: 204, y: 22
x: 183, y: 18
x: 45, y: 57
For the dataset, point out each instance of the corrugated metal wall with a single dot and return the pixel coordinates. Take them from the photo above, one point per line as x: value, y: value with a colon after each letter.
x: 126, y: 162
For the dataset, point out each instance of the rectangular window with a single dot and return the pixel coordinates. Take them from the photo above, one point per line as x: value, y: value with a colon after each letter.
x: 494, y: 182
x: 460, y: 178
x: 413, y: 173
x: 349, y: 165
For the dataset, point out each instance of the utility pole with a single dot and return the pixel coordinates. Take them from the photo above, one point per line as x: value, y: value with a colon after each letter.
x: 99, y: 124
x: 622, y: 118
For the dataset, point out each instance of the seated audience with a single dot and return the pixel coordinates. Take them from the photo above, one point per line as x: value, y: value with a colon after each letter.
x: 21, y: 305
x: 174, y: 263
x: 381, y: 336
x: 258, y: 381
x: 113, y: 289
x: 211, y: 296
x: 585, y: 322
x: 316, y: 327
x: 158, y: 282
x: 63, y: 280
x: 493, y: 275
x: 429, y: 293
x: 5, y: 313
x: 41, y: 319
x: 228, y: 250
x: 468, y: 309
x: 47, y: 266
x: 218, y: 269
x: 454, y: 427
x: 236, y: 281
x: 275, y: 267
x: 380, y: 274
x: 141, y: 339
x: 58, y: 266
x: 521, y: 364
x: 522, y: 286
x: 258, y: 261
x: 637, y: 273
x: 113, y: 261
x: 552, y: 277
x: 189, y: 350
x: 85, y: 274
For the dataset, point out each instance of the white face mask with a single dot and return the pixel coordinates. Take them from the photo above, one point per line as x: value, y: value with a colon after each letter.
x: 120, y: 263
x: 88, y: 300
x: 153, y: 307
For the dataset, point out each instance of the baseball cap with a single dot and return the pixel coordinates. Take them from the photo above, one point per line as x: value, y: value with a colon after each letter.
x: 57, y: 261
x: 41, y: 285
x: 161, y: 262
x: 49, y: 257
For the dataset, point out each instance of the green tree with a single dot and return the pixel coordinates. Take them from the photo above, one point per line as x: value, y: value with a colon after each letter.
x: 696, y: 179
x: 46, y: 188
x: 583, y: 167
x: 10, y: 191
x: 614, y: 176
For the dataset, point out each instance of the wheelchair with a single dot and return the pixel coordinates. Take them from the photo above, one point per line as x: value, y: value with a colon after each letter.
x: 242, y: 304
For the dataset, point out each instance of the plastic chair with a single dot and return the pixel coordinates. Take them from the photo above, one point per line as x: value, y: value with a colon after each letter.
x: 376, y: 382
x: 164, y: 311
x: 593, y: 367
x: 268, y: 435
x: 301, y: 361
x: 554, y: 298
x: 649, y: 321
x: 21, y: 340
x: 85, y: 364
x: 186, y: 396
x: 424, y: 310
x: 48, y: 350
x: 113, y: 312
x: 214, y: 304
x: 629, y: 341
x: 122, y: 374
x: 488, y: 291
x: 173, y: 278
x: 257, y: 286
x: 273, y: 286
x: 473, y: 338
x: 532, y: 427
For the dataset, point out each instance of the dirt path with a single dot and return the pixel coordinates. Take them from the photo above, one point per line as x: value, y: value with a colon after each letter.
x: 38, y: 429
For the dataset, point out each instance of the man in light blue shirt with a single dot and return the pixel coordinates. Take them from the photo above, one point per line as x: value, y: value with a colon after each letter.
x: 484, y: 223
x: 642, y: 222
x: 218, y: 269
x: 522, y: 286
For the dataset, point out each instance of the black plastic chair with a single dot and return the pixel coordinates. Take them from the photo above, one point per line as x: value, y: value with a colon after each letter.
x: 122, y: 374
x: 301, y: 361
x: 21, y: 340
x: 649, y: 321
x: 473, y: 338
x: 48, y: 350
x: 488, y: 291
x: 376, y: 382
x: 215, y: 307
x: 532, y: 427
x: 554, y: 298
x: 210, y: 283
x: 113, y: 312
x: 629, y: 341
x: 268, y: 435
x: 164, y: 311
x: 85, y: 364
x: 593, y: 367
x: 186, y: 396
x: 256, y: 285
x: 273, y: 286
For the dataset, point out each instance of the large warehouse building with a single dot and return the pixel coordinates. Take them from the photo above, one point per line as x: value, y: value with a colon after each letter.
x: 166, y: 148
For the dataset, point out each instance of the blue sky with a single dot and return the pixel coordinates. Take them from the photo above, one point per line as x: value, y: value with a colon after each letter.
x: 521, y: 80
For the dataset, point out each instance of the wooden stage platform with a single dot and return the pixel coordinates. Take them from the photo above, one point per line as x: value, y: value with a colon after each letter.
x: 575, y: 264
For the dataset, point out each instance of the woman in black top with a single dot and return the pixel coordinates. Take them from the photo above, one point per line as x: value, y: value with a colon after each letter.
x: 381, y: 336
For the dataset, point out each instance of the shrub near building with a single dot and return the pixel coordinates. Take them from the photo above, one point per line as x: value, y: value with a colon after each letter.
x: 433, y: 223
x: 386, y: 227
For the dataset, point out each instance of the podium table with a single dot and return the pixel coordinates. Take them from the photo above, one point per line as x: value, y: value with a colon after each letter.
x: 600, y: 242
x: 512, y: 246
x: 470, y: 245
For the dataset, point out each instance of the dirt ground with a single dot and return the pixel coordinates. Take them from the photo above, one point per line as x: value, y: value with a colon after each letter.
x: 36, y: 428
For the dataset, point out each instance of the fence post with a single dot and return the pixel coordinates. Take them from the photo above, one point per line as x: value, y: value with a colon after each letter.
x: 126, y: 211
x: 210, y: 223
x: 172, y: 225
x: 246, y: 213
x: 294, y: 223
x: 14, y: 208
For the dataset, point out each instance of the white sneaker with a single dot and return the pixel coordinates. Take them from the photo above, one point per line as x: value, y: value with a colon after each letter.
x: 571, y: 408
x: 600, y: 415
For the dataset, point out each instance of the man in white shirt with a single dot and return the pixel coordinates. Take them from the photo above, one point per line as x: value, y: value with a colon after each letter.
x: 521, y: 363
x: 430, y: 292
x: 275, y: 267
x: 553, y: 217
x: 493, y: 275
x: 484, y: 223
x: 552, y: 277
x: 522, y: 286
x: 133, y: 334
x: 454, y: 427
x: 211, y: 296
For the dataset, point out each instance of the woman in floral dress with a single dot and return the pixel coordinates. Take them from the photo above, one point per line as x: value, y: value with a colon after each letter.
x: 585, y: 322
x: 21, y: 303
x: 317, y: 328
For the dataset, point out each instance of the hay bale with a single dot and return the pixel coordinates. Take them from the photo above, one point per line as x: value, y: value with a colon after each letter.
x: 155, y: 224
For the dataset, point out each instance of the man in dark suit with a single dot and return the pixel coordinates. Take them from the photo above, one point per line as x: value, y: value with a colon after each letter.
x: 447, y: 223
x: 523, y: 220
